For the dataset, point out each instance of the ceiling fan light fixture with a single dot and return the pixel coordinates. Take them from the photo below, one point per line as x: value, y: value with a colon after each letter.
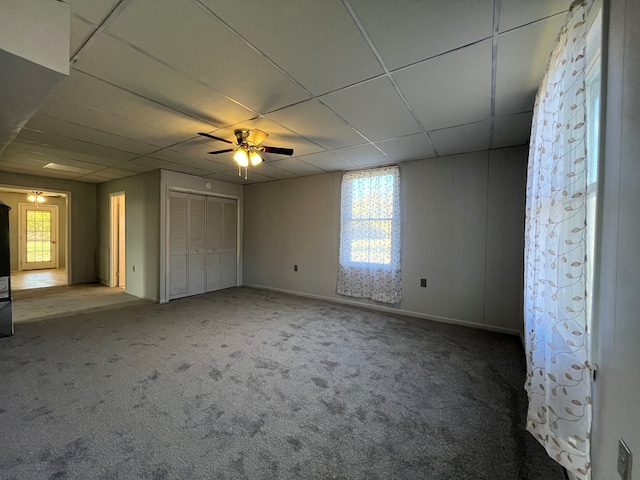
x: 255, y: 158
x: 36, y: 197
x: 241, y: 157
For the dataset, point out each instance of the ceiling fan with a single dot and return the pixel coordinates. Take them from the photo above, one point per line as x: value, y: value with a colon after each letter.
x: 247, y: 148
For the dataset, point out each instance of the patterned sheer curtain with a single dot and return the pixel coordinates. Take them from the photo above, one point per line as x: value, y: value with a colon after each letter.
x: 369, y: 263
x: 556, y: 305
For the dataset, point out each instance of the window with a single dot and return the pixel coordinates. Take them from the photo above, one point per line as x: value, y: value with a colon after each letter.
x: 369, y: 264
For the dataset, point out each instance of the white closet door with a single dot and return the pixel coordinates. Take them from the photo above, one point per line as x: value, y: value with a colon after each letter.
x: 229, y: 244
x: 196, y: 282
x: 214, y: 243
x: 177, y: 245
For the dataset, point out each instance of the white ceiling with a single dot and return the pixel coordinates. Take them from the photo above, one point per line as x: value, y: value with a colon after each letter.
x: 345, y: 83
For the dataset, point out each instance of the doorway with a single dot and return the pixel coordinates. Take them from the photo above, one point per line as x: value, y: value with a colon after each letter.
x: 38, y: 226
x: 118, y: 241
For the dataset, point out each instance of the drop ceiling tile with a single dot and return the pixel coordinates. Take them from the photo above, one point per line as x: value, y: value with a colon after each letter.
x: 523, y: 55
x: 363, y: 156
x: 462, y: 139
x: 60, y: 155
x: 296, y: 166
x: 452, y: 89
x: 81, y: 30
x: 268, y: 170
x: 408, y: 31
x: 114, y: 173
x: 114, y: 110
x: 40, y: 173
x: 317, y: 123
x: 63, y: 128
x: 209, y: 52
x: 156, y: 163
x: 94, y: 178
x: 411, y: 147
x: 64, y: 143
x: 511, y: 130
x: 328, y: 161
x: 16, y: 157
x: 134, y: 167
x: 210, y: 163
x: 317, y: 43
x: 252, y: 177
x: 239, y: 180
x: 116, y: 62
x: 95, y: 12
x: 515, y: 13
x: 374, y: 109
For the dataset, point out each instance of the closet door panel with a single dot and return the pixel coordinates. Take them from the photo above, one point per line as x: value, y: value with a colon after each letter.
x: 229, y: 269
x: 197, y: 223
x: 177, y: 245
x: 229, y: 225
x: 177, y: 276
x: 214, y: 224
x: 197, y: 274
x: 214, y: 271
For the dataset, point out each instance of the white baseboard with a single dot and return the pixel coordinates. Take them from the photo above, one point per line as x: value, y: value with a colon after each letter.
x: 381, y: 308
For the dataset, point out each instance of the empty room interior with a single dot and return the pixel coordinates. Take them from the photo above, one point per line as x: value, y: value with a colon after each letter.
x: 318, y: 239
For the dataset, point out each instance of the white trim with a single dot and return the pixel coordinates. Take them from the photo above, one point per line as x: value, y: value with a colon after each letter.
x: 408, y: 313
x: 114, y: 238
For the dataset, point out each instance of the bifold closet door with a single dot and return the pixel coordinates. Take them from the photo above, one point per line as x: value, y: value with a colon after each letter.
x: 202, y: 244
x: 177, y: 245
x: 214, y: 243
x: 229, y: 244
x: 197, y: 273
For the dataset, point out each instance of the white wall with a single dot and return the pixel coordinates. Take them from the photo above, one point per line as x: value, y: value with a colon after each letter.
x: 463, y: 231
x: 142, y: 232
x: 34, y: 55
x: 82, y: 219
x: 617, y: 385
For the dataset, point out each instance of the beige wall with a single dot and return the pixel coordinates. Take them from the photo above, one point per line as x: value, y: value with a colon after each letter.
x: 617, y: 334
x: 463, y: 231
x: 14, y: 200
x: 142, y: 232
x: 82, y: 219
x: 145, y: 202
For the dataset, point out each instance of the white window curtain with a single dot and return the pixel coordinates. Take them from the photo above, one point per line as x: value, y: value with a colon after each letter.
x: 369, y: 263
x: 556, y: 334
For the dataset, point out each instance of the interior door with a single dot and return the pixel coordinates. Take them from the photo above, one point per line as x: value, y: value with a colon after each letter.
x: 38, y: 236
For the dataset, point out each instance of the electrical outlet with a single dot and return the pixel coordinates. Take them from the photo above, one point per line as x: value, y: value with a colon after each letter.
x: 423, y: 282
x: 295, y: 268
x: 134, y: 268
x: 624, y: 460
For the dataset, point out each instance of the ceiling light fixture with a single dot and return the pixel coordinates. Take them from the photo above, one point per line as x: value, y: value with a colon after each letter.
x: 246, y: 155
x: 35, y: 198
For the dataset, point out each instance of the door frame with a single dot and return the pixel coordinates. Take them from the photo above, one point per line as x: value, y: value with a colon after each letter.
x: 166, y: 227
x: 22, y: 242
x: 117, y: 240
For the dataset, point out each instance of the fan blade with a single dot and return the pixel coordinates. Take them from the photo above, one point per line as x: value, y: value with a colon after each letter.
x: 214, y: 137
x: 256, y: 136
x: 278, y: 150
x: 222, y: 151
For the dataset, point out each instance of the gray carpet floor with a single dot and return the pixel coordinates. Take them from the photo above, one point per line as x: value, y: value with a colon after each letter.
x: 250, y: 384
